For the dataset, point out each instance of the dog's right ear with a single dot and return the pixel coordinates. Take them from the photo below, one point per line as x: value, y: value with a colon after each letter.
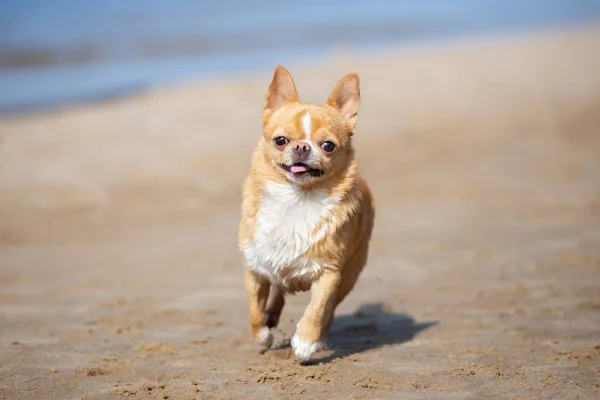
x: 281, y: 91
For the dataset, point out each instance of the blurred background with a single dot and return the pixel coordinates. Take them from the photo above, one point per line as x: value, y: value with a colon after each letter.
x: 59, y: 52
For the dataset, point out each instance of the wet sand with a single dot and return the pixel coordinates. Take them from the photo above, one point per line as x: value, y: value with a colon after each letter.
x: 119, y: 272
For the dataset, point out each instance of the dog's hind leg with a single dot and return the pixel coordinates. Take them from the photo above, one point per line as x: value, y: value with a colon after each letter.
x: 275, y: 305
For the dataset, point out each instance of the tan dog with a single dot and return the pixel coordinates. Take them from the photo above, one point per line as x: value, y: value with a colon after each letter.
x: 307, y: 215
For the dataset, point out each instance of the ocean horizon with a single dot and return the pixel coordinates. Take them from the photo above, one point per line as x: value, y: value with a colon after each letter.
x: 63, y: 52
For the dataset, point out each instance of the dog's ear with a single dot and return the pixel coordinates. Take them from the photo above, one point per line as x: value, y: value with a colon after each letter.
x: 346, y: 98
x: 281, y: 91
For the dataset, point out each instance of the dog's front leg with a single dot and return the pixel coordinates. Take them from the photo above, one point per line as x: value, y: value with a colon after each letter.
x: 257, y: 288
x: 310, y: 329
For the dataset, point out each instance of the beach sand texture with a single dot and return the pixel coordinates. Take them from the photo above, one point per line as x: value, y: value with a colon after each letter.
x: 119, y: 270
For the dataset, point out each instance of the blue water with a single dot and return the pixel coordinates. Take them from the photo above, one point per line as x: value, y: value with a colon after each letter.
x: 62, y: 51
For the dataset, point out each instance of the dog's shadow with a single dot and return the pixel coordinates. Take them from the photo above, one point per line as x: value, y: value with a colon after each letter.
x: 369, y: 327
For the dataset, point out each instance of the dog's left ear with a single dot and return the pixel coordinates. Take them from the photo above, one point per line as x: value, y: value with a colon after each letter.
x: 346, y: 98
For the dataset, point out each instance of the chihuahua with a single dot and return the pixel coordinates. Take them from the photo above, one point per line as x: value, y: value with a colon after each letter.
x: 307, y: 215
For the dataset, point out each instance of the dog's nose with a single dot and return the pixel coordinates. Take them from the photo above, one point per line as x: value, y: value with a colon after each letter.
x: 301, y: 147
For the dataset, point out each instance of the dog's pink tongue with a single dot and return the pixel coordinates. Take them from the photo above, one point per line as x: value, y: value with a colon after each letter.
x: 297, y: 169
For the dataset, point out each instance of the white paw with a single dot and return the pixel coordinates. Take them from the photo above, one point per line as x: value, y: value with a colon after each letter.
x: 265, y: 337
x: 303, y: 349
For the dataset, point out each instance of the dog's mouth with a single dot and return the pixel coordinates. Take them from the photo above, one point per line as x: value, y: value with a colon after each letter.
x: 299, y: 170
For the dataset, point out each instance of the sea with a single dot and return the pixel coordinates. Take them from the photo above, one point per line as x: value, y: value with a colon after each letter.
x: 57, y: 52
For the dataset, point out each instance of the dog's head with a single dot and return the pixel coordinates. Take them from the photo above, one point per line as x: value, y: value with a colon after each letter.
x: 306, y: 144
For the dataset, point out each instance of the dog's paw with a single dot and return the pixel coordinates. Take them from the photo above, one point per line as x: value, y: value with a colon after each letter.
x: 265, y: 337
x: 303, y: 349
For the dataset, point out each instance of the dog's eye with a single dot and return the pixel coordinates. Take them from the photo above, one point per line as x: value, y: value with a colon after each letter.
x: 281, y: 141
x: 328, y: 146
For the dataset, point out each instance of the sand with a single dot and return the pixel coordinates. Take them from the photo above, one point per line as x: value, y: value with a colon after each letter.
x: 119, y: 272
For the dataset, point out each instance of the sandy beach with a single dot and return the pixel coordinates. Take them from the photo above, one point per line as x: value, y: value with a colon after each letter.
x: 119, y: 270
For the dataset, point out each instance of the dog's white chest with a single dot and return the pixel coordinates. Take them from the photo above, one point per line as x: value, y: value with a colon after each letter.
x: 286, y: 223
